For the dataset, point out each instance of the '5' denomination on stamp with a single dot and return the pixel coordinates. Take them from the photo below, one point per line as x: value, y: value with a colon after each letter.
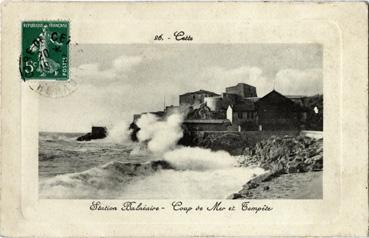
x: 45, y: 50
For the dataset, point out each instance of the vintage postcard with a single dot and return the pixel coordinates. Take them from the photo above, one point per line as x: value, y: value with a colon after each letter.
x: 184, y: 119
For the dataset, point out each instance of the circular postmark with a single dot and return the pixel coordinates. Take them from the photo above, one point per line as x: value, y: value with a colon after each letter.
x: 53, y: 89
x: 49, y: 88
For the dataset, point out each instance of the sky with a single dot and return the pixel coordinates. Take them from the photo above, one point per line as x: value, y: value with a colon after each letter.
x: 116, y: 81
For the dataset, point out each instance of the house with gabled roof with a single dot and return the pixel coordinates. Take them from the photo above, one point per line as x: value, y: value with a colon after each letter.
x: 277, y: 112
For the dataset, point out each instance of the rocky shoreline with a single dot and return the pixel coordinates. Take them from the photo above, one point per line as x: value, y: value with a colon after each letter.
x: 294, y: 163
x: 294, y: 166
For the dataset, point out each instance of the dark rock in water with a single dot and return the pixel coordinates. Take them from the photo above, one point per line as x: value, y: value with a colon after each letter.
x: 86, y: 137
x: 97, y: 132
x: 161, y: 164
x: 134, y: 130
x: 188, y: 138
x: 137, y: 169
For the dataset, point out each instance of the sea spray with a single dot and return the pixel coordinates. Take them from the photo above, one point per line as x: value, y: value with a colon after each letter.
x: 106, y: 181
x: 162, y: 135
x: 195, y: 158
x: 197, y: 173
x: 154, y: 168
x: 92, y: 183
x: 147, y: 181
x: 119, y: 133
x: 139, y: 149
x: 190, y: 184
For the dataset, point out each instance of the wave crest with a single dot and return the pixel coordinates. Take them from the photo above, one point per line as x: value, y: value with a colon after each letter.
x: 195, y: 158
x: 104, y: 181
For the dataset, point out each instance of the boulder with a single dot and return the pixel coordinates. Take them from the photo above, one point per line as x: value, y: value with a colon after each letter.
x: 97, y: 132
x: 287, y: 154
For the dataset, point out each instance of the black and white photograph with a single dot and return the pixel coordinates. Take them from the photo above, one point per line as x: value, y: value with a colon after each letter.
x: 184, y: 119
x: 189, y: 121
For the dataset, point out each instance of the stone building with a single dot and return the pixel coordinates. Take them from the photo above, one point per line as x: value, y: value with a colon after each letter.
x: 194, y: 98
x: 274, y: 111
x: 243, y: 90
x: 239, y: 109
x: 244, y: 115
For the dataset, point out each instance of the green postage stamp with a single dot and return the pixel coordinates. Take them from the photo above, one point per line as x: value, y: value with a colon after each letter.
x: 45, y: 50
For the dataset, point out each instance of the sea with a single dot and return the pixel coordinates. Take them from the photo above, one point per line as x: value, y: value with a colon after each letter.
x: 113, y: 169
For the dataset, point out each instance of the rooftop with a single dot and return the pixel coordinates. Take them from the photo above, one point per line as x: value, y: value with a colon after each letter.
x: 241, y: 84
x: 201, y: 91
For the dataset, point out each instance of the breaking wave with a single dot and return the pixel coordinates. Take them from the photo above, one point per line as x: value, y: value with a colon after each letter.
x: 190, y: 184
x: 154, y: 168
x: 168, y: 178
x: 59, y: 136
x: 105, y: 181
x: 195, y: 158
x: 119, y: 133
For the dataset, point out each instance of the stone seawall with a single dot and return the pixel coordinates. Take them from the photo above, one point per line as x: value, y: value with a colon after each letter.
x: 253, y: 137
x: 215, y: 140
x: 231, y: 141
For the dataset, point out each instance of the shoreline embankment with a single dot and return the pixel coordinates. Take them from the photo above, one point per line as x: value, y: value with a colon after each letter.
x: 293, y: 160
x: 294, y: 168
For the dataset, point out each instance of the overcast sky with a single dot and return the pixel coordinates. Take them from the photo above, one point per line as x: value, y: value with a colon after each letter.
x: 116, y: 81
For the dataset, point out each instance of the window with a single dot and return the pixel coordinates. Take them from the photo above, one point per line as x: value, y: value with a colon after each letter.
x: 240, y: 115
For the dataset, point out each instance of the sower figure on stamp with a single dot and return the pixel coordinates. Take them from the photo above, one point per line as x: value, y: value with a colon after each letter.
x: 46, y: 65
